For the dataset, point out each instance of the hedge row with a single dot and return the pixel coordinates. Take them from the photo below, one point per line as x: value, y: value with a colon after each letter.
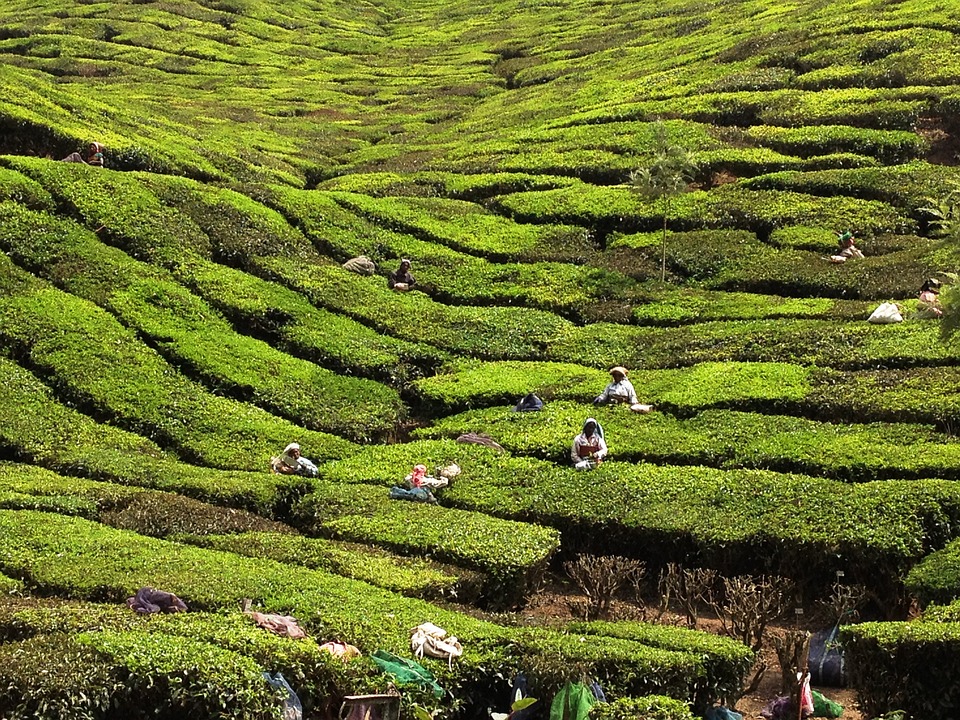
x: 410, y: 576
x: 936, y: 578
x: 474, y: 384
x: 304, y: 330
x: 467, y: 227
x: 191, y: 335
x: 106, y: 564
x: 167, y: 515
x: 449, y: 274
x: 356, y: 513
x: 722, y: 438
x: 825, y: 343
x: 728, y: 206
x: 725, y: 658
x: 146, y: 215
x: 686, y: 305
x: 63, y: 439
x: 310, y: 670
x: 907, y: 187
x: 891, y: 147
x: 492, y: 333
x: 737, y: 521
x: 925, y: 395
x: 444, y: 184
x: 101, y: 672
x: 105, y: 367
x: 736, y: 261
x: 907, y: 666
x: 165, y: 232
x: 37, y: 428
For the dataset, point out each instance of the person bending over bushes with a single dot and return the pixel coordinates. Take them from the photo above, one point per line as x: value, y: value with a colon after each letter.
x: 929, y: 305
x: 401, y: 279
x: 589, y: 447
x: 291, y: 463
x: 847, y: 248
x: 620, y: 390
x: 93, y: 157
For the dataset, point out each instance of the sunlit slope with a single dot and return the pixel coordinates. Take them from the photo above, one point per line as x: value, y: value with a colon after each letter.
x: 298, y: 90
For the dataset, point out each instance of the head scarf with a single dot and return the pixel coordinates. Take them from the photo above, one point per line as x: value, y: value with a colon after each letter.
x: 598, y: 431
x: 619, y: 369
x: 288, y: 459
x: 416, y: 477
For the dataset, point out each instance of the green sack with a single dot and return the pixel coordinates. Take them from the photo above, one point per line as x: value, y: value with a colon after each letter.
x: 407, y: 672
x: 573, y: 702
x: 825, y: 707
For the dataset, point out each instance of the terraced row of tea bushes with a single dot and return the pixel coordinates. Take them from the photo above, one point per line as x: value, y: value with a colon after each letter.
x: 448, y: 274
x: 166, y: 515
x: 98, y: 363
x: 358, y: 513
x: 130, y: 215
x: 684, y: 305
x: 368, y: 301
x: 908, y: 187
x: 937, y: 578
x: 484, y: 332
x: 890, y: 147
x: 299, y: 328
x: 467, y: 227
x: 191, y: 335
x: 409, y: 576
x: 611, y: 162
x: 313, y: 672
x: 824, y: 343
x: 728, y: 206
x: 737, y: 521
x: 469, y: 383
x: 725, y: 659
x: 34, y: 426
x: 736, y: 261
x: 108, y: 565
x: 129, y: 673
x: 721, y: 438
x: 925, y: 395
x: 474, y: 187
x: 113, y: 454
x: 904, y: 665
x: 27, y: 487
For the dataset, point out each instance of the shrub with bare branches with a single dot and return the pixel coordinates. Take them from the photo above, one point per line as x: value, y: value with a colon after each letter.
x: 691, y: 587
x: 600, y: 577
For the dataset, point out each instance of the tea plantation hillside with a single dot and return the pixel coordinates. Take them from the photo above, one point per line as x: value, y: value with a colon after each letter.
x: 171, y: 321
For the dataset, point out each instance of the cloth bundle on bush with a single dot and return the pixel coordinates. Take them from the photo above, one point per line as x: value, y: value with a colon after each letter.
x: 283, y: 625
x: 148, y: 600
x: 361, y: 265
x: 885, y: 314
x: 292, y: 707
x: 342, y: 650
x: 529, y: 403
x: 432, y: 641
x: 406, y: 672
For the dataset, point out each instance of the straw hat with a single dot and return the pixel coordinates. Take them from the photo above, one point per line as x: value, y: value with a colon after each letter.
x: 618, y: 369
